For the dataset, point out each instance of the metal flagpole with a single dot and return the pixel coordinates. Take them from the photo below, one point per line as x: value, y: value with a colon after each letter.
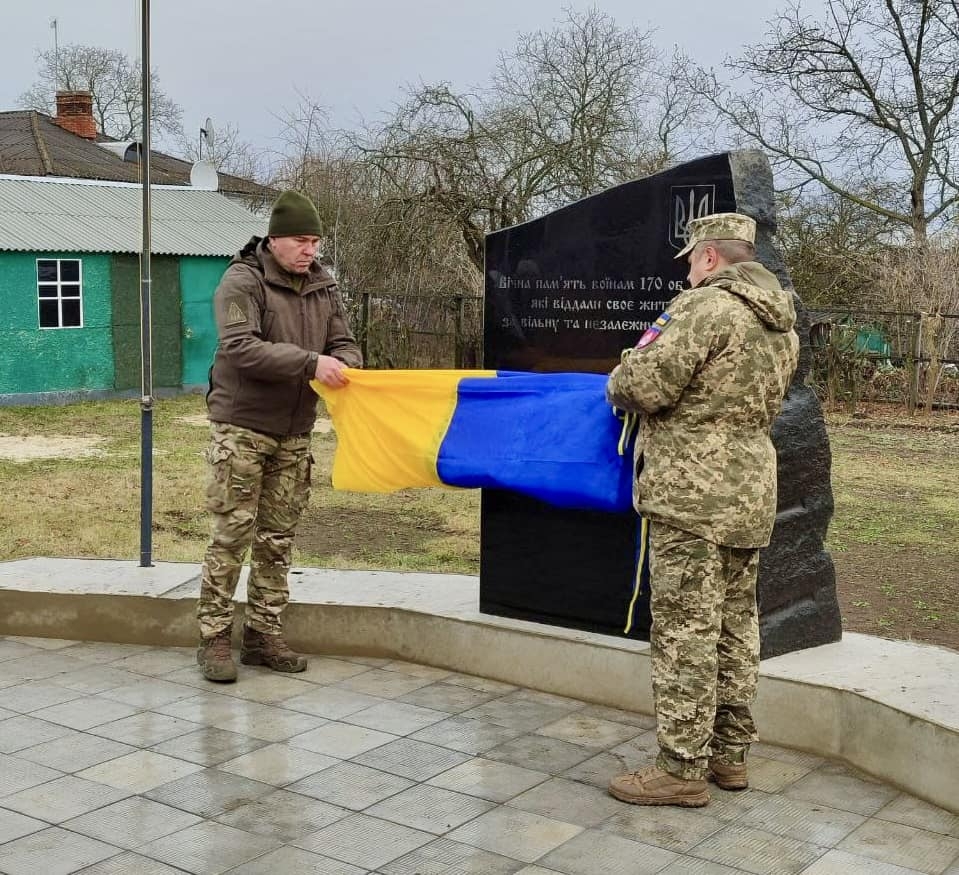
x: 146, y: 340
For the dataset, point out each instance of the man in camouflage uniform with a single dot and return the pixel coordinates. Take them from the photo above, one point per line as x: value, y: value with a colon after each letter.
x: 709, y: 378
x: 280, y: 323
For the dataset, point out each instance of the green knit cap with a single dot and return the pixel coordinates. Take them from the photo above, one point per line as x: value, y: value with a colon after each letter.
x: 294, y: 215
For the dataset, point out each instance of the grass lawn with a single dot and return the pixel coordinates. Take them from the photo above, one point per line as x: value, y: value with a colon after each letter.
x: 70, y: 480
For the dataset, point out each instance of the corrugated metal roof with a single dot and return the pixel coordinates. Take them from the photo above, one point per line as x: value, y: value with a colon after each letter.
x: 63, y: 215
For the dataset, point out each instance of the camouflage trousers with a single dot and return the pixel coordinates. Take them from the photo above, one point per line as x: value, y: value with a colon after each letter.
x: 705, y: 649
x: 259, y: 486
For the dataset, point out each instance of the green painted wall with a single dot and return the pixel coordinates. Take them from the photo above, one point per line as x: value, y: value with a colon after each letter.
x: 53, y: 359
x: 199, y: 277
x: 165, y: 307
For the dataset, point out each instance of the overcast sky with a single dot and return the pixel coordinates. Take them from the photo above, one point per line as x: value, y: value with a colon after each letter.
x: 240, y: 61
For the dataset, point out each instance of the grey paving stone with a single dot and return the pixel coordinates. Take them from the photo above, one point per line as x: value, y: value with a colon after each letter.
x: 75, y: 751
x: 340, y: 740
x: 901, y: 845
x: 205, y: 708
x: 33, y: 668
x: 22, y: 731
x: 350, y: 785
x: 568, y: 801
x: 332, y: 703
x: 10, y: 649
x: 278, y: 764
x: 132, y: 822
x: 101, y: 651
x: 13, y: 825
x: 145, y: 729
x: 430, y: 809
x: 398, y: 718
x: 842, y: 863
x: 839, y: 789
x: 295, y: 861
x: 757, y: 851
x: 616, y: 715
x: 52, y: 851
x: 266, y: 722
x: 588, y: 731
x: 150, y: 692
x: 325, y: 670
x: 591, y: 852
x: 675, y: 829
x: 465, y: 735
x: 597, y: 770
x: 18, y: 774
x: 283, y: 815
x: 415, y: 669
x: 516, y: 834
x: 411, y: 759
x: 209, y: 747
x: 639, y: 751
x: 489, y: 779
x: 63, y: 798
x: 517, y: 713
x: 34, y: 695
x: 206, y: 848
x: 797, y: 757
x: 139, y: 771
x: 914, y: 812
x: 482, y: 685
x: 129, y: 863
x: 158, y: 662
x: 94, y: 678
x: 40, y: 643
x: 266, y: 687
x: 450, y: 698
x: 364, y: 841
x: 384, y: 684
x: 772, y: 776
x: 209, y: 792
x: 683, y: 865
x: 85, y: 712
x: 541, y: 753
x: 805, y: 821
x: 445, y: 857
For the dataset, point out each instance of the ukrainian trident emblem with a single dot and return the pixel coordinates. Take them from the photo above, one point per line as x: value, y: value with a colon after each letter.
x: 688, y: 202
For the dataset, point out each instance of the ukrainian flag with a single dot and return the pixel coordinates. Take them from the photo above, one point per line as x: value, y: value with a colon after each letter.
x: 549, y: 436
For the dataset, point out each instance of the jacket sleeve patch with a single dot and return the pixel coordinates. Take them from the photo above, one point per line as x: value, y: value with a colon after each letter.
x: 654, y: 330
x: 235, y: 314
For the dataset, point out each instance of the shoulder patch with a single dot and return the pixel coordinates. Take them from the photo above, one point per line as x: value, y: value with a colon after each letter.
x: 235, y: 314
x: 654, y: 330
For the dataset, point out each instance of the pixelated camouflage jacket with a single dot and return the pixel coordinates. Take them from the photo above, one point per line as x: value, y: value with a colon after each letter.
x: 271, y: 326
x: 709, y: 385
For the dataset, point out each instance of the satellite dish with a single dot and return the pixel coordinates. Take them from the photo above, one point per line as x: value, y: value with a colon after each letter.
x: 204, y: 177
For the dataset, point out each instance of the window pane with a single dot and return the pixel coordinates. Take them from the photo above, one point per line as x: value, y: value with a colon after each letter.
x: 46, y: 271
x: 70, y: 291
x: 49, y: 314
x: 47, y: 291
x: 70, y: 271
x: 71, y: 313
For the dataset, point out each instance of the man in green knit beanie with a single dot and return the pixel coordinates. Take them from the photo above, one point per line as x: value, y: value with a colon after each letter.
x: 280, y: 323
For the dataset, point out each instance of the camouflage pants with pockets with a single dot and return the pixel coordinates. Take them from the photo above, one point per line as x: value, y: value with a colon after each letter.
x: 259, y: 486
x: 704, y: 645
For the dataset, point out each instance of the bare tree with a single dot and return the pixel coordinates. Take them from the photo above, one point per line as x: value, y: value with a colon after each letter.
x: 862, y: 103
x: 568, y: 112
x: 115, y: 83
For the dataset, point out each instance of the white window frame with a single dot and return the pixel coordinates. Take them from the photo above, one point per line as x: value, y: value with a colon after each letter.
x: 60, y: 283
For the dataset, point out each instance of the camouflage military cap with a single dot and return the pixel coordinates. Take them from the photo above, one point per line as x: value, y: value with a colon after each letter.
x: 719, y: 226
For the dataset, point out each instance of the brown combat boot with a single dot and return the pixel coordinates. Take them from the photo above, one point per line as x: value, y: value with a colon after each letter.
x: 269, y: 650
x: 653, y: 786
x: 216, y: 658
x: 728, y: 775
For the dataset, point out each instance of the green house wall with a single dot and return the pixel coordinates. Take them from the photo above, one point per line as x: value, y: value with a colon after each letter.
x: 199, y: 277
x: 165, y: 313
x: 34, y: 360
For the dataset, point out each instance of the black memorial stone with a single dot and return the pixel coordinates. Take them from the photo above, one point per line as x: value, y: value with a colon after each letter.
x: 568, y: 292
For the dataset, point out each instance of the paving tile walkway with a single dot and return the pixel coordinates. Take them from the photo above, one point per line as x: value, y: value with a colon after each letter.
x: 122, y: 759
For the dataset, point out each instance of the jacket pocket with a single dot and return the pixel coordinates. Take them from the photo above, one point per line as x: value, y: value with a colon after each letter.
x: 219, y: 492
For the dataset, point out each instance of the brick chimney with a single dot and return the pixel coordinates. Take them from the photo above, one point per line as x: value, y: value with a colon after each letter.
x: 75, y: 113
